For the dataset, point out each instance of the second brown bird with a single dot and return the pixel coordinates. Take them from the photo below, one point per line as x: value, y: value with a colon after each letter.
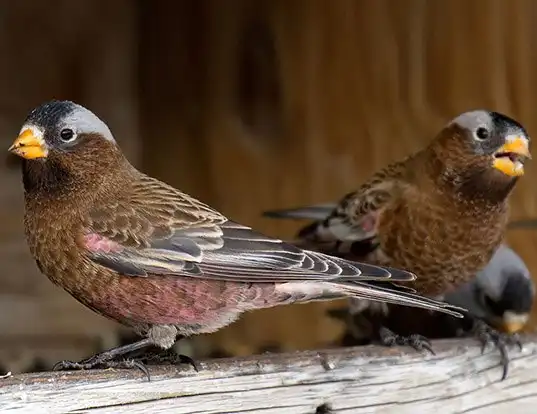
x: 440, y: 213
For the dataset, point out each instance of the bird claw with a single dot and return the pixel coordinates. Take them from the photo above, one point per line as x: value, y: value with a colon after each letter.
x: 418, y: 342
x: 170, y: 358
x: 487, y: 335
x: 97, y: 362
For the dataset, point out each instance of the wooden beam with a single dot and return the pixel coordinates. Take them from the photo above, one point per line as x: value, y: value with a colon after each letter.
x: 358, y: 380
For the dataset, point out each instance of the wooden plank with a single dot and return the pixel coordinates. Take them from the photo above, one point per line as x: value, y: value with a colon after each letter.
x: 358, y: 380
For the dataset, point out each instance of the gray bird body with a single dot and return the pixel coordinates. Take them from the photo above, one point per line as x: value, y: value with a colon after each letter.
x: 507, y: 283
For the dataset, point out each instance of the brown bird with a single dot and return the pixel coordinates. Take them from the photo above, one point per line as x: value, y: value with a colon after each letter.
x: 440, y: 213
x: 138, y: 251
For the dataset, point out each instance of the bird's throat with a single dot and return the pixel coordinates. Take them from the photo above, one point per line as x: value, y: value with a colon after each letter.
x: 47, y: 177
x: 480, y: 187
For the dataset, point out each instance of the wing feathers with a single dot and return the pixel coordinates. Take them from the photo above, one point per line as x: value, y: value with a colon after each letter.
x: 256, y: 259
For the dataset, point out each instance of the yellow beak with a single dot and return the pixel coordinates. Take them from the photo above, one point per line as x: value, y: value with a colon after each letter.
x: 513, y: 167
x: 510, y: 324
x: 28, y: 146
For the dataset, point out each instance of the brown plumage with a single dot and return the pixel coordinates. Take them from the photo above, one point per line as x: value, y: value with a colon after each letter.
x: 440, y: 213
x: 151, y: 257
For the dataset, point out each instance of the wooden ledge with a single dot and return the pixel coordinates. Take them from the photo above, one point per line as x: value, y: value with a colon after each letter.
x: 349, y: 380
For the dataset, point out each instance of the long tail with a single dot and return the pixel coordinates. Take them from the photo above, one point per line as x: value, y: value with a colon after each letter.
x: 315, y: 212
x: 301, y: 292
x: 394, y: 296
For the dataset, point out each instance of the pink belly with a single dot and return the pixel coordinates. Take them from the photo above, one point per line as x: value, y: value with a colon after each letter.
x: 176, y: 300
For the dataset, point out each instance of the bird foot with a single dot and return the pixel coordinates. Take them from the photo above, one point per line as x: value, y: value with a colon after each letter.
x: 168, y: 357
x: 418, y: 342
x: 97, y: 361
x: 487, y: 335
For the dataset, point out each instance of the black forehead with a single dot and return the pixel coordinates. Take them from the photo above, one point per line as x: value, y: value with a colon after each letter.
x: 517, y: 294
x: 504, y: 124
x: 49, y: 114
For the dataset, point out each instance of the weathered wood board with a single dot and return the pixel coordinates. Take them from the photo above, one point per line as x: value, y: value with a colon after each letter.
x: 352, y: 380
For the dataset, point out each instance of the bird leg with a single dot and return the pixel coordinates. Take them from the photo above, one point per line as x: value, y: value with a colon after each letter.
x: 487, y: 335
x: 131, y: 358
x: 418, y: 342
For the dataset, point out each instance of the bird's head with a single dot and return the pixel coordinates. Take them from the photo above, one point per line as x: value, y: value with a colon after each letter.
x: 60, y: 141
x: 505, y: 291
x: 482, y: 149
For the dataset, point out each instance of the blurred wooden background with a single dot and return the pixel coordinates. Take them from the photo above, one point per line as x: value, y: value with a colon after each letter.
x: 248, y: 106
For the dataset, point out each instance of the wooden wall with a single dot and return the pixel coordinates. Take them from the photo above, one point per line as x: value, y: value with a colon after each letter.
x: 248, y: 106
x: 284, y: 103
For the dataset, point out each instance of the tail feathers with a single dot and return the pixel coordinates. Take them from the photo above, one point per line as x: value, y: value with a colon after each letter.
x: 315, y: 212
x: 392, y: 296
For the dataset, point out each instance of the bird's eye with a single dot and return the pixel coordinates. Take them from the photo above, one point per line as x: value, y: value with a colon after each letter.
x: 482, y: 133
x: 67, y: 135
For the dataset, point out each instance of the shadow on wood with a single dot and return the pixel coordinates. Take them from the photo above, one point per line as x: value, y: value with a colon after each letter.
x: 358, y: 380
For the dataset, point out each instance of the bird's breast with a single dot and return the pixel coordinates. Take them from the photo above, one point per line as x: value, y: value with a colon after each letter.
x: 445, y: 245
